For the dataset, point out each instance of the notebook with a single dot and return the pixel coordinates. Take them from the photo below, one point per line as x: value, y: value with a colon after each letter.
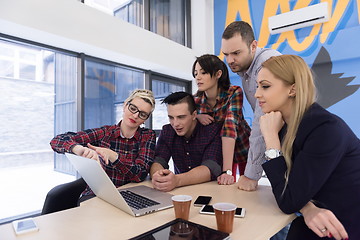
x: 99, y: 182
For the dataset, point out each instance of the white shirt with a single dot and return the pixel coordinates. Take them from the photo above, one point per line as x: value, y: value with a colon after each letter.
x: 256, y: 155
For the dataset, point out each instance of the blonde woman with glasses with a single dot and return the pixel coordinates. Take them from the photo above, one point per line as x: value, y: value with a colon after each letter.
x: 125, y: 150
x: 313, y: 157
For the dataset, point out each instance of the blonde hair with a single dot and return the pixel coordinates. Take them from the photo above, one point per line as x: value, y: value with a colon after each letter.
x: 144, y: 94
x: 292, y: 69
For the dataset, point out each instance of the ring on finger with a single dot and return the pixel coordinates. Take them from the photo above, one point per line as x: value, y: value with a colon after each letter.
x: 323, y: 230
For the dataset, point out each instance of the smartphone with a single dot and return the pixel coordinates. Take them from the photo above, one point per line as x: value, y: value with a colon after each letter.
x: 24, y: 226
x: 208, y: 209
x: 202, y: 200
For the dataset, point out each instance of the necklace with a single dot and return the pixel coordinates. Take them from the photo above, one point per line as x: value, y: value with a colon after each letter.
x: 126, y: 137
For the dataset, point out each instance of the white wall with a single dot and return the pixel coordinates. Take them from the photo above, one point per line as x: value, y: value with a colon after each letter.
x: 202, y: 28
x: 71, y: 25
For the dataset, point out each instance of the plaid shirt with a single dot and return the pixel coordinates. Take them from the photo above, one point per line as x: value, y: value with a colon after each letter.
x: 202, y: 148
x: 135, y: 154
x: 228, y: 109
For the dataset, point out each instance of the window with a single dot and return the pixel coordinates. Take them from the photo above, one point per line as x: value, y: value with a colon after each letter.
x: 46, y: 92
x: 161, y: 88
x: 34, y: 82
x: 132, y: 12
x: 168, y: 18
x: 106, y: 88
x: 23, y: 62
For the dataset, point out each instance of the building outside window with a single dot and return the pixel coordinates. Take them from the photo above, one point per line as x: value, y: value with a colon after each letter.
x: 29, y: 79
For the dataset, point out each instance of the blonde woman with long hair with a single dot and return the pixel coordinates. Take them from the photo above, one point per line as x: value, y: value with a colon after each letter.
x: 125, y: 151
x: 313, y: 157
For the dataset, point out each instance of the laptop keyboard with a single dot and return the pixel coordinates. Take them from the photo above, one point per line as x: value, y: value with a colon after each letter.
x: 137, y: 201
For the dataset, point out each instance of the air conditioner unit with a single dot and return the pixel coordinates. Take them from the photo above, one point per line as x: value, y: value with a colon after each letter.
x: 299, y: 18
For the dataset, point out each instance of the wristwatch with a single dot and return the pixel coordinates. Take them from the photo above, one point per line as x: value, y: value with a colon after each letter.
x: 272, y: 153
x: 228, y: 172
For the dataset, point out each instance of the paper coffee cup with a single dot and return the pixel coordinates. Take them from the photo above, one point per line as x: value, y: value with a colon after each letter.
x: 224, y: 213
x: 182, y: 206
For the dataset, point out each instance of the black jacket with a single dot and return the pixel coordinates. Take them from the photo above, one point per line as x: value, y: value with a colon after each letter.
x: 326, y: 169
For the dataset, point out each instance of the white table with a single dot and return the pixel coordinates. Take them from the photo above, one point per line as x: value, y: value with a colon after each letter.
x: 96, y: 219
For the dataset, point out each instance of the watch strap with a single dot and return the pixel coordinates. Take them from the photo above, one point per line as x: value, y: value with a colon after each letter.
x: 226, y: 172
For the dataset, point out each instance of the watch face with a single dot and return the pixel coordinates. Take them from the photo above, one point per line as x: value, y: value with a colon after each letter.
x: 272, y: 153
x: 228, y: 172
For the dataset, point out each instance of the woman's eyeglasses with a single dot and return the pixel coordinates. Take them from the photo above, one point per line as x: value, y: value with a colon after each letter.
x: 134, y: 109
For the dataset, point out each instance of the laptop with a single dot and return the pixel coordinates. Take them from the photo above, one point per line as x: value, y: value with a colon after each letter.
x: 136, y: 201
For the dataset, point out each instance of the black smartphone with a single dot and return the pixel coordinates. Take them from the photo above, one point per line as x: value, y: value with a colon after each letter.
x: 208, y: 209
x: 202, y: 200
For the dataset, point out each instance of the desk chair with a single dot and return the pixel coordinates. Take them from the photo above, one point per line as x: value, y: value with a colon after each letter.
x: 64, y: 196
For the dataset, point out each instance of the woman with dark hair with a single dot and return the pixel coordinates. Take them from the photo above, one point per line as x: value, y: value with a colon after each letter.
x: 217, y: 100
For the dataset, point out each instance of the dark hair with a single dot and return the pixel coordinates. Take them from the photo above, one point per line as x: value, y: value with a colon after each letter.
x: 212, y: 64
x: 239, y: 27
x: 181, y: 97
